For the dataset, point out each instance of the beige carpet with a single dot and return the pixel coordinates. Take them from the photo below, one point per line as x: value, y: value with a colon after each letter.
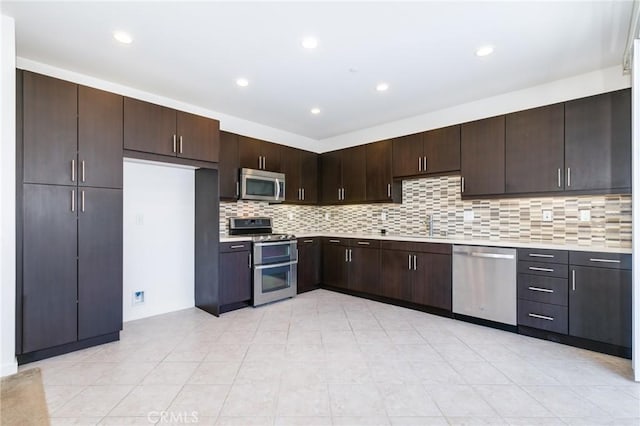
x: 23, y: 401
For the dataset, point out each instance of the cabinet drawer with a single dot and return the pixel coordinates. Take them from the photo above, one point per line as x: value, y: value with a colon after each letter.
x: 543, y: 316
x: 308, y: 240
x: 540, y: 255
x: 235, y: 246
x: 600, y: 260
x: 537, y: 288
x: 336, y: 241
x: 545, y: 269
x: 415, y: 247
x: 364, y: 243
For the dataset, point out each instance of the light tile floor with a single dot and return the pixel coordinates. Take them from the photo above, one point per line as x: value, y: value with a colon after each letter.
x: 326, y: 358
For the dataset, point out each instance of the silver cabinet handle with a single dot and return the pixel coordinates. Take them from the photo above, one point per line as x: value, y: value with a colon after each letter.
x: 568, y: 176
x: 462, y: 184
x: 82, y: 163
x: 415, y: 262
x: 409, y: 256
x: 595, y: 259
x: 299, y: 194
x: 535, y: 268
x: 307, y: 241
x: 346, y: 255
x: 82, y: 201
x: 364, y: 243
x: 303, y: 197
x: 559, y: 177
x: 334, y: 241
x: 237, y: 246
x: 174, y: 143
x: 573, y: 279
x: 543, y: 290
x: 544, y: 317
x: 548, y: 256
x: 419, y: 164
x: 264, y: 162
x: 350, y: 254
x: 389, y: 190
x: 250, y: 260
x: 73, y: 170
x: 425, y: 163
x: 339, y: 194
x: 73, y: 200
x: 237, y: 189
x: 180, y: 144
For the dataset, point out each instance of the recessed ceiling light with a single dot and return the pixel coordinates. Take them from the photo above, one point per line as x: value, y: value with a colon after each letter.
x: 382, y: 87
x: 309, y: 42
x: 122, y: 37
x: 484, y: 51
x: 315, y: 111
x: 242, y: 82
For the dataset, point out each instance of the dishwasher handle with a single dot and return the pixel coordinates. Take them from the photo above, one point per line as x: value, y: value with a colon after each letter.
x: 485, y: 255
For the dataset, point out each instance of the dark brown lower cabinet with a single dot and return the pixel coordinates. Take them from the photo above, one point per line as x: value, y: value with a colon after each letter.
x: 71, y: 265
x: 364, y: 269
x: 235, y: 272
x: 432, y: 280
x: 396, y: 272
x: 600, y: 304
x: 50, y: 280
x: 334, y: 262
x: 308, y: 264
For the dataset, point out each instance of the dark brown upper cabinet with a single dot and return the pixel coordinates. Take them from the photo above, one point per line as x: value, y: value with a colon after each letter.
x: 598, y: 143
x: 72, y: 135
x: 160, y: 130
x: 535, y: 150
x: 259, y: 154
x: 301, y: 171
x: 482, y: 150
x: 434, y: 152
x: 379, y: 179
x: 50, y: 130
x: 344, y: 176
x: 228, y: 173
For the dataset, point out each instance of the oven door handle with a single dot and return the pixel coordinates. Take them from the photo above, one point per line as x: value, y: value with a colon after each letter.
x: 276, y: 243
x: 275, y: 265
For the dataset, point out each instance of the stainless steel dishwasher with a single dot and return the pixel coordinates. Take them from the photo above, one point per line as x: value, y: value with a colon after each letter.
x: 484, y: 283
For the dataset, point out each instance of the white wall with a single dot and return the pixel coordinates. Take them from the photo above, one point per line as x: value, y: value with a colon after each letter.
x: 7, y: 196
x: 635, y: 132
x: 158, y: 238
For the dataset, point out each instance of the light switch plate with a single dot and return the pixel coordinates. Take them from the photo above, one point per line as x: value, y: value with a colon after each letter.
x: 585, y: 215
x: 326, y: 216
x: 547, y: 215
x: 290, y: 215
x: 383, y: 216
x: 468, y: 215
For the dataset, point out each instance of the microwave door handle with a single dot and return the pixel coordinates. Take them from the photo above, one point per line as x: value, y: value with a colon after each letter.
x: 277, y: 189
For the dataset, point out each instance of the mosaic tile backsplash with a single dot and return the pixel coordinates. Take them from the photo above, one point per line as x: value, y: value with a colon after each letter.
x: 512, y: 219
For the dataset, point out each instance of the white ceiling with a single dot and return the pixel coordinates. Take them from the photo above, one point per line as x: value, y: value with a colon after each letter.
x: 193, y: 52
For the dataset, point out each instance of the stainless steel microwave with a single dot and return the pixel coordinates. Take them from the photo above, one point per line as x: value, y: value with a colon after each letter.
x: 261, y: 185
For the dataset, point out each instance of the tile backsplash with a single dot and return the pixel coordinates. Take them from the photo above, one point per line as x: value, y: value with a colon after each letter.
x: 509, y: 219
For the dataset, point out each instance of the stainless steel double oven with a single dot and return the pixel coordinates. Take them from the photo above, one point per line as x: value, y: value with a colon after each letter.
x: 275, y: 270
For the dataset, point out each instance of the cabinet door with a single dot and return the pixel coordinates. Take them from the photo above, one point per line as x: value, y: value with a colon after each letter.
x: 334, y: 265
x: 235, y: 277
x: 99, y: 262
x: 308, y: 264
x: 99, y: 138
x: 309, y: 177
x: 354, y: 174
x: 249, y: 152
x: 432, y: 280
x: 600, y: 305
x: 442, y: 150
x: 378, y: 168
x: 535, y: 150
x: 291, y: 169
x: 482, y: 157
x: 407, y: 155
x: 49, y: 286
x: 331, y: 172
x: 271, y: 153
x: 395, y: 275
x: 50, y: 130
x: 364, y: 270
x: 198, y: 137
x: 149, y: 127
x: 598, y: 142
x: 229, y: 176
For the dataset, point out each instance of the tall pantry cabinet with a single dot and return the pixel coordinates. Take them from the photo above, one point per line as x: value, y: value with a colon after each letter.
x: 69, y: 161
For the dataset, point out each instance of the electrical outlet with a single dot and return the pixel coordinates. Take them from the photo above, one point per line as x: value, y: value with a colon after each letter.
x: 468, y: 215
x: 138, y: 297
x: 383, y: 216
x: 326, y: 216
x: 140, y: 219
x: 585, y: 215
x: 547, y: 215
x: 290, y: 215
